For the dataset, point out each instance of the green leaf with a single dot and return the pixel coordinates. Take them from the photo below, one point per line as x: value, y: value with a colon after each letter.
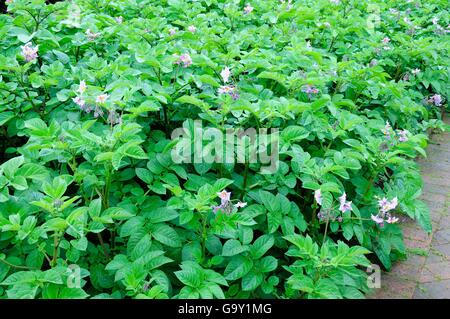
x: 238, y: 267
x: 161, y: 215
x: 10, y: 167
x: 135, y: 151
x: 166, y: 235
x: 261, y: 246
x: 232, y: 247
x: 186, y: 99
x: 251, y: 281
x: 5, y: 116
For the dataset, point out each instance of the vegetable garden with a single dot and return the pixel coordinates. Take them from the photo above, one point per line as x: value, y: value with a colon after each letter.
x: 95, y: 201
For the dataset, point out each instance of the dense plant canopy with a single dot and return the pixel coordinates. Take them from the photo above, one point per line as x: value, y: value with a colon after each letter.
x: 93, y: 203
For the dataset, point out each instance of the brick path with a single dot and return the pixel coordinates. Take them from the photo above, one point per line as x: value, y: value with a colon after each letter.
x: 426, y: 272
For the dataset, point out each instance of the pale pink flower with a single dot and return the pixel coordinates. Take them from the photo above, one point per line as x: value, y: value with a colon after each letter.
x: 230, y: 90
x: 386, y: 40
x: 318, y: 196
x: 377, y: 219
x: 224, y: 195
x: 386, y: 205
x: 344, y: 204
x: 387, y: 130
x: 192, y: 29
x: 172, y: 31
x: 79, y: 101
x: 29, y: 52
x: 119, y: 19
x: 82, y: 87
x: 101, y: 98
x: 436, y: 100
x: 403, y: 135
x: 225, y: 74
x: 248, y: 9
x: 185, y: 59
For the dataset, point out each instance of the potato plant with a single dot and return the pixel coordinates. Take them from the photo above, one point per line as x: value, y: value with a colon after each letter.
x: 93, y: 204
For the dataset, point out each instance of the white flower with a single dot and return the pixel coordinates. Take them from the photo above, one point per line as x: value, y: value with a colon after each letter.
x: 415, y: 71
x: 386, y: 40
x: 240, y: 204
x: 101, y: 98
x: 119, y: 19
x: 82, y: 87
x: 435, y: 20
x: 225, y: 74
x: 172, y: 31
x: 192, y: 29
x: 91, y: 35
x: 318, y: 196
x: 392, y: 220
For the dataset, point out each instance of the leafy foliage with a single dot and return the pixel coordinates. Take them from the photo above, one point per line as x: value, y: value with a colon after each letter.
x: 92, y: 204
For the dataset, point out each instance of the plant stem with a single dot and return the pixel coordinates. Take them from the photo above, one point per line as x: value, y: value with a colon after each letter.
x: 14, y: 266
x: 203, y: 243
x: 326, y: 229
x: 102, y: 243
x: 56, y: 242
x: 244, y: 184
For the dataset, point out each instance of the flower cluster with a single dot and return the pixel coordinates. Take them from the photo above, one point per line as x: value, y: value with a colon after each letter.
x: 344, y: 204
x: 29, y: 52
x: 184, y: 59
x: 310, y: 90
x: 91, y: 35
x: 436, y: 100
x: 79, y: 100
x: 225, y: 203
x: 248, y: 9
x: 230, y: 90
x: 390, y: 134
x: 384, y: 215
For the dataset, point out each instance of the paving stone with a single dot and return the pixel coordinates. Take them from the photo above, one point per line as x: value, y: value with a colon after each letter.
x: 433, y: 290
x: 396, y: 288
x: 441, y: 237
x: 439, y: 253
x: 435, y: 272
